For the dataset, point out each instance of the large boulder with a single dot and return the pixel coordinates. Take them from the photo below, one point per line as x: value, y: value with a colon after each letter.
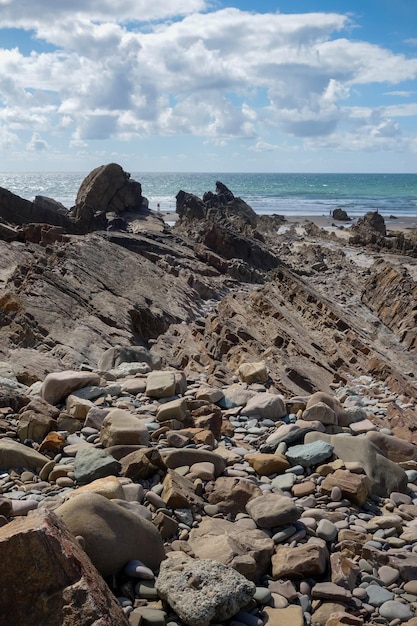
x: 106, y: 191
x: 202, y: 591
x: 15, y: 454
x: 384, y: 475
x: 46, y: 578
x: 111, y: 534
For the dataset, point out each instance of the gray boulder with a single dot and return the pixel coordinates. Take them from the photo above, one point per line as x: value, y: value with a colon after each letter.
x: 202, y: 591
x: 384, y: 475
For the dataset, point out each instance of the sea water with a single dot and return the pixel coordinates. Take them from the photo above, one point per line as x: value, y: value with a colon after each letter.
x: 283, y: 194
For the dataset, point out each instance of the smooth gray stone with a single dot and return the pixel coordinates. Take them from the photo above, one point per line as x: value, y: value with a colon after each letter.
x: 309, y: 454
x: 396, y: 610
x: 92, y: 463
x: 378, y: 595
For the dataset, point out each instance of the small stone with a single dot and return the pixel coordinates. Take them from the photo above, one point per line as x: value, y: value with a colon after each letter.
x: 378, y: 595
x: 326, y: 530
x: 309, y: 454
x: 388, y: 574
x: 137, y: 569
x: 145, y: 589
x: 336, y: 494
x: 396, y: 610
x: 147, y: 616
x: 262, y: 595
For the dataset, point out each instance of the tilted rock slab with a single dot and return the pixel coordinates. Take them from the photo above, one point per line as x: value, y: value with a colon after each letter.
x: 46, y: 578
x: 202, y: 591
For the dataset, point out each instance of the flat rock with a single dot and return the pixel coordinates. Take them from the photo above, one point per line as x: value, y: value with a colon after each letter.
x: 202, y: 591
x: 160, y: 384
x: 309, y: 454
x: 248, y: 552
x: 58, y: 385
x: 93, y: 463
x: 176, y: 458
x: 265, y: 464
x: 290, y: 616
x: 272, y: 510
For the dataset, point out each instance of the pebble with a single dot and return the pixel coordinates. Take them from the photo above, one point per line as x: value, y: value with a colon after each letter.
x: 392, y: 609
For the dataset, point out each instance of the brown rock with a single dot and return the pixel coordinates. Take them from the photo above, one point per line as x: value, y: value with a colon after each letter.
x: 249, y: 552
x: 393, y: 448
x: 121, y: 427
x: 303, y: 561
x: 343, y: 619
x: 141, y: 463
x: 344, y: 571
x: 58, y: 385
x: 232, y: 494
x: 179, y: 492
x: 324, y: 612
x: 330, y: 591
x: 62, y: 588
x: 290, y: 616
x: 272, y: 510
x: 166, y: 525
x: 265, y: 464
x: 34, y: 426
x: 354, y: 487
x: 320, y: 411
x: 178, y: 458
x: 112, y: 534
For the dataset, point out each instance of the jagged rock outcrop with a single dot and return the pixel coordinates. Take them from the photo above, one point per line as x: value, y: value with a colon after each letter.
x: 17, y: 211
x: 221, y: 204
x: 188, y: 294
x: 372, y: 221
x: 391, y: 293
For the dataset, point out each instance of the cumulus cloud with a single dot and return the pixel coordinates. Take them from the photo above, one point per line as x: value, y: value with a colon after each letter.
x: 139, y: 69
x: 37, y: 144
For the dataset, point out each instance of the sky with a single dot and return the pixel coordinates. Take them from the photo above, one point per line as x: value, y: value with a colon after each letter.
x: 209, y: 85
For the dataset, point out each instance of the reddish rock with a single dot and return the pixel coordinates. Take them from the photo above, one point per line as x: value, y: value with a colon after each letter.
x: 46, y: 578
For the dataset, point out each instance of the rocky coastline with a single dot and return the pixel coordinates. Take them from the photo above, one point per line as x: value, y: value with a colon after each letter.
x: 211, y: 422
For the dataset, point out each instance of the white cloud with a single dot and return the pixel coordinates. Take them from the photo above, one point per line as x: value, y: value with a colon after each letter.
x: 30, y: 13
x: 219, y: 75
x: 37, y: 144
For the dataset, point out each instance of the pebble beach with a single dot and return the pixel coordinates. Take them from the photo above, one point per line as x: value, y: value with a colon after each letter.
x: 292, y: 493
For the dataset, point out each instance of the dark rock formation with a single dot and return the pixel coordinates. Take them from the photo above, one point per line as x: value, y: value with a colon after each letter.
x: 216, y: 206
x: 372, y: 224
x: 340, y: 215
x: 17, y: 211
x: 188, y: 294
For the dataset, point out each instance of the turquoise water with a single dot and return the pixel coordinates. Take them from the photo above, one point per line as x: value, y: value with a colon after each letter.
x: 285, y: 194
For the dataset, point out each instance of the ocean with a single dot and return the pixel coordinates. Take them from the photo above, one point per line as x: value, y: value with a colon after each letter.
x: 284, y: 194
